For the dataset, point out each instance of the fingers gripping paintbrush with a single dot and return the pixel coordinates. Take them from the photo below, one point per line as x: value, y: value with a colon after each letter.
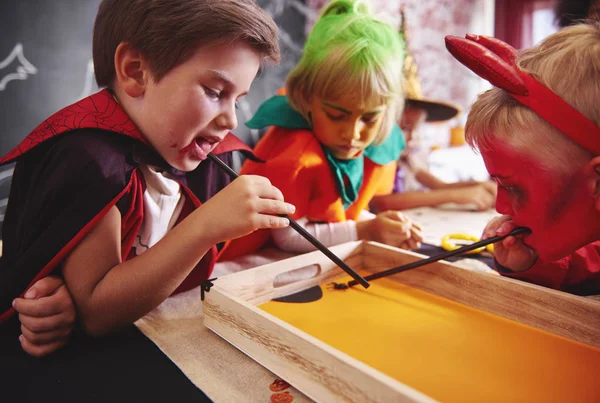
x: 445, y: 255
x: 306, y: 235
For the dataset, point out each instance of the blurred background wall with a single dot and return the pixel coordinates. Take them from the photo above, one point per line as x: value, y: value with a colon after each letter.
x: 45, y: 61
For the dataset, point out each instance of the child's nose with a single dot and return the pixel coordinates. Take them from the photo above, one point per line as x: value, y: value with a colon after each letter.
x: 357, y: 130
x: 503, y: 204
x: 353, y: 132
x: 227, y: 120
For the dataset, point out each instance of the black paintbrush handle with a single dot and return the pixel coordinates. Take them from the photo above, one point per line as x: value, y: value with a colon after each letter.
x: 358, y: 279
x: 445, y: 255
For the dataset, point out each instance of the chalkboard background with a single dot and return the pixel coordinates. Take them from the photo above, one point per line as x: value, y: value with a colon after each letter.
x: 45, y: 64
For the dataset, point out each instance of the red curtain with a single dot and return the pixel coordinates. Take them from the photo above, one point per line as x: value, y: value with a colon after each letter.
x: 514, y: 20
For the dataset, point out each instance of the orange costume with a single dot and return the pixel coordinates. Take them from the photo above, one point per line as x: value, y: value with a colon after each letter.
x: 322, y: 189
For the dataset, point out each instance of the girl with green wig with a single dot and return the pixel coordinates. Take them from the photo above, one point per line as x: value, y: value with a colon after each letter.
x: 333, y: 141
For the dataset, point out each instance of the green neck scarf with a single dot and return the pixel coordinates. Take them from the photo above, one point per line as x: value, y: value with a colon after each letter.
x: 348, y: 174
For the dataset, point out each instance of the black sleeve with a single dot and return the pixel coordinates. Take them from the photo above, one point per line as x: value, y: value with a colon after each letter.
x: 58, y: 187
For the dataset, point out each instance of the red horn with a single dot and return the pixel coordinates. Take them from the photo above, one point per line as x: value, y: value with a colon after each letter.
x: 500, y: 48
x: 486, y: 64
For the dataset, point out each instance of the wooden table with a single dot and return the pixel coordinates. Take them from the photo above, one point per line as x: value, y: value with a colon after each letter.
x: 438, y: 222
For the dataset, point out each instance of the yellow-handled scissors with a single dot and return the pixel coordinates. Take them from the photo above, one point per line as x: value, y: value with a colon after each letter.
x: 447, y: 243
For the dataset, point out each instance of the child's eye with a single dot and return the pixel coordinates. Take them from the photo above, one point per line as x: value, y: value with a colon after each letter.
x: 211, y: 93
x: 369, y: 119
x: 513, y: 190
x: 335, y: 117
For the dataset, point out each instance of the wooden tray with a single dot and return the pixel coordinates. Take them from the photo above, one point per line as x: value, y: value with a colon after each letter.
x: 326, y: 374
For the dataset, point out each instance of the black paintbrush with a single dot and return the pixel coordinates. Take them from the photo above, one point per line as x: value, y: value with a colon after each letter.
x: 357, y: 277
x: 445, y: 255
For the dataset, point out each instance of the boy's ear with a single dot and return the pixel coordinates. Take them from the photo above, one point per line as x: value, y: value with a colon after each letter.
x: 131, y: 70
x: 593, y: 169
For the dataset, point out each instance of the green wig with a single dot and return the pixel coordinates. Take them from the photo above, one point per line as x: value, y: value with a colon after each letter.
x: 350, y: 51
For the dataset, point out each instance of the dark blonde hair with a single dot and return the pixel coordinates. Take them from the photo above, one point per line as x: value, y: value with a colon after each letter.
x: 168, y: 32
x: 567, y: 62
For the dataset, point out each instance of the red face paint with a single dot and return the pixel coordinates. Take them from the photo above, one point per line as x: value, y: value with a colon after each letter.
x: 557, y: 207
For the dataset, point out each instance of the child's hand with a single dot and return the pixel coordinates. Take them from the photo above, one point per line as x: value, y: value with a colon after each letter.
x: 392, y: 228
x: 416, y: 237
x: 511, y: 253
x: 47, y: 316
x: 477, y: 195
x: 248, y: 203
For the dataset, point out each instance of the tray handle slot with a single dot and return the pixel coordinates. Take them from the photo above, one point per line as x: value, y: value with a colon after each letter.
x: 296, y: 275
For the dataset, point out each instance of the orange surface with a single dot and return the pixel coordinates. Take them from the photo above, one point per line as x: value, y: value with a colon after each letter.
x: 447, y: 350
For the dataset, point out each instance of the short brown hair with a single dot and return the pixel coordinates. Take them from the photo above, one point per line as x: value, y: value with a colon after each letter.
x: 168, y: 32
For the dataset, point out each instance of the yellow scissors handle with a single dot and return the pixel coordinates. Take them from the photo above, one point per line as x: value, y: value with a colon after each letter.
x: 447, y: 243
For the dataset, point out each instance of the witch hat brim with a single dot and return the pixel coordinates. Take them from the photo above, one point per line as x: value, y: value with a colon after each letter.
x: 436, y: 111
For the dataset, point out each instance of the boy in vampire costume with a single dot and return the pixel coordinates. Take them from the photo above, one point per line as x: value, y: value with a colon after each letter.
x: 112, y: 192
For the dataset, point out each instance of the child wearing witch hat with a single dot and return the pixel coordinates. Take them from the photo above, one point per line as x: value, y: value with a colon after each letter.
x: 415, y: 185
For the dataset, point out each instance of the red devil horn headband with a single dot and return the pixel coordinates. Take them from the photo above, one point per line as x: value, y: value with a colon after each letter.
x: 494, y: 60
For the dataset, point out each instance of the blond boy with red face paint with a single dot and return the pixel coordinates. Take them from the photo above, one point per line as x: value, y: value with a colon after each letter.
x: 539, y: 137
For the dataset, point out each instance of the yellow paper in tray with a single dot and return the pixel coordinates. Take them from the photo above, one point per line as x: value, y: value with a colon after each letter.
x: 447, y: 350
